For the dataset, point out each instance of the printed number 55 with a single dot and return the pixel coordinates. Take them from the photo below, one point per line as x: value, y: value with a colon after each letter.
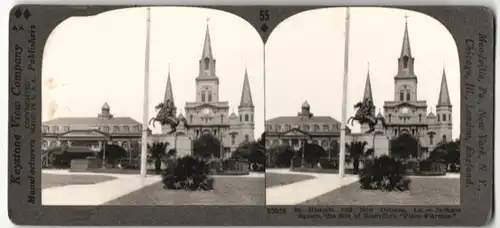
x: 264, y: 15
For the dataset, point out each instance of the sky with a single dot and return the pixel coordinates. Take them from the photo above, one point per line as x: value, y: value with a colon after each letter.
x: 305, y: 60
x: 92, y: 60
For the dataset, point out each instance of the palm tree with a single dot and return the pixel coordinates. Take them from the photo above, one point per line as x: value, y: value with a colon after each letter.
x: 356, y: 150
x: 157, y: 151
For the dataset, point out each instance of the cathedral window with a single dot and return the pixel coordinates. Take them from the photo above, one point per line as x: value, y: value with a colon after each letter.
x: 202, y: 96
x: 197, y: 133
x: 247, y: 138
x: 405, y: 62
x: 268, y: 143
x: 449, y: 117
x: 251, y: 119
x: 413, y: 131
x: 444, y: 138
x: 401, y: 95
x: 209, y: 96
x: 390, y: 116
x: 444, y: 117
x: 191, y: 118
x: 419, y: 117
x: 233, y: 139
x: 431, y: 139
x: 246, y: 117
x: 439, y: 117
x: 207, y: 63
x: 215, y: 132
x: 408, y: 95
x: 241, y: 118
x: 221, y: 118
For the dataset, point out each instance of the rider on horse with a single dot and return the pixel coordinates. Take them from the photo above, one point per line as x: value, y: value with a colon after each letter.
x: 368, y: 107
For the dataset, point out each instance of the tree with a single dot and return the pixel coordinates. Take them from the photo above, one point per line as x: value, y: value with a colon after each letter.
x: 447, y: 151
x: 356, y: 150
x: 157, y: 151
x: 313, y: 153
x: 206, y: 146
x: 113, y: 153
x: 404, y: 147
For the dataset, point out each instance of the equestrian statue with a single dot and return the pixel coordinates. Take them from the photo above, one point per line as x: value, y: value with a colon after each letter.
x: 366, y: 114
x: 165, y: 115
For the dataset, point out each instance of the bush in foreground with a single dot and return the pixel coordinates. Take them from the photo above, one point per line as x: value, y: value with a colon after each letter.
x: 384, y: 173
x: 187, y: 173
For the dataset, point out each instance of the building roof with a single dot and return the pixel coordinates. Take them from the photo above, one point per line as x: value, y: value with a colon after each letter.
x: 303, y: 120
x: 91, y: 121
x: 79, y: 149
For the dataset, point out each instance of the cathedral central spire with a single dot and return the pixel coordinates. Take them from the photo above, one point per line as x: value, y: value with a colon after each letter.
x: 406, y: 60
x: 207, y: 44
x: 207, y: 61
x: 406, y: 49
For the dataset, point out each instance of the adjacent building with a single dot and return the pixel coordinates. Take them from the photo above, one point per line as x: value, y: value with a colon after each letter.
x: 302, y: 128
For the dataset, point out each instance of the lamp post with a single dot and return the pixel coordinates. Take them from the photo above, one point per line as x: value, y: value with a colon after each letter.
x: 144, y: 143
x: 344, y: 96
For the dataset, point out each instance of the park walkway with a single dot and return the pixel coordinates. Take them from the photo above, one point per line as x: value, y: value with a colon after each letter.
x: 102, y: 192
x: 94, y: 194
x: 323, y: 183
x: 302, y: 191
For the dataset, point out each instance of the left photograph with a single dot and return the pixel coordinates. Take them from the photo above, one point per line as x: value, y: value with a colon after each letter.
x: 153, y: 106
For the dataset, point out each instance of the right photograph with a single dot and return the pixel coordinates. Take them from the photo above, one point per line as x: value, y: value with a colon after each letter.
x: 362, y: 108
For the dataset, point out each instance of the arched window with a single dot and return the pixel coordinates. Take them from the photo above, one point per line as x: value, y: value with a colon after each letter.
x: 431, y: 139
x: 449, y: 117
x: 126, y: 129
x: 247, y: 138
x: 203, y: 96
x: 316, y: 128
x: 405, y: 62
x: 116, y: 129
x: 444, y: 117
x: 106, y: 129
x: 326, y: 128
x: 191, y: 118
x: 241, y: 118
x: 390, y: 116
x: 233, y: 139
x: 209, y: 96
x: 401, y: 95
x: 207, y: 63
x: 408, y: 95
x: 246, y: 117
x: 444, y: 138
x: 419, y: 117
x: 438, y: 117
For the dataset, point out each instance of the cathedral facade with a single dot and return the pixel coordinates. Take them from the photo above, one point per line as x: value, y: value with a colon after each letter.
x: 406, y: 114
x: 208, y: 113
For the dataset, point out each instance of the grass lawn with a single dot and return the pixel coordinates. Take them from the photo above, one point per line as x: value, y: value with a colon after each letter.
x: 278, y: 179
x: 423, y: 191
x: 56, y: 180
x: 116, y: 171
x: 227, y: 191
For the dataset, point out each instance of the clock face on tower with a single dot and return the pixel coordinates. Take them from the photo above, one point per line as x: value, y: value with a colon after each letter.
x: 404, y: 110
x: 206, y: 111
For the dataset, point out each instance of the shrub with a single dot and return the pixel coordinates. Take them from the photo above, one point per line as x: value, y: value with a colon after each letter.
x: 384, y: 173
x: 327, y: 163
x: 187, y: 173
x: 215, y: 165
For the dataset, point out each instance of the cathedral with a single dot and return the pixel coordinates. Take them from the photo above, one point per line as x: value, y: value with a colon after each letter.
x: 406, y: 114
x: 207, y: 114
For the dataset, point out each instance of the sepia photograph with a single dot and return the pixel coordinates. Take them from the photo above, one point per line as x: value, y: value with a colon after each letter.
x: 153, y: 106
x: 362, y: 108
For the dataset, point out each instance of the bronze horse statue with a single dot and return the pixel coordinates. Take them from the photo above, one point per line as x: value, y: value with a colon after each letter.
x: 165, y: 116
x: 363, y: 118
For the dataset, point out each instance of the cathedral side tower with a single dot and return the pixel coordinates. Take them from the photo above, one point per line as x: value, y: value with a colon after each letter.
x: 246, y: 111
x: 169, y: 95
x: 444, y: 112
x: 367, y: 94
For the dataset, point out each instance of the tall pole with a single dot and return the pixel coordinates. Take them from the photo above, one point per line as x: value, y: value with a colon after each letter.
x: 144, y: 146
x: 344, y: 97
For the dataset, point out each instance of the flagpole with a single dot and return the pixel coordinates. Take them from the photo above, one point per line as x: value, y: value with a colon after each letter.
x: 344, y: 97
x: 144, y: 144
